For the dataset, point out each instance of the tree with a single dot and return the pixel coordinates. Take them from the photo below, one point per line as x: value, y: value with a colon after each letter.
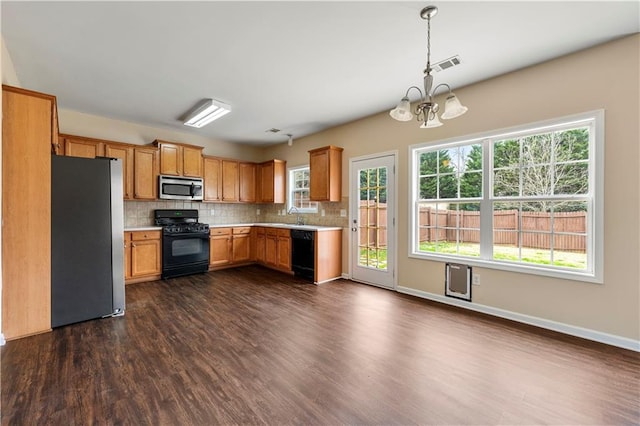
x: 437, y: 175
x: 471, y: 179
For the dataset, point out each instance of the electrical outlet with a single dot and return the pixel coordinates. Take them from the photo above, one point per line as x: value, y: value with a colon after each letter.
x: 343, y: 212
x: 212, y: 212
x: 322, y: 213
x: 284, y: 212
x: 257, y: 212
x: 475, y: 279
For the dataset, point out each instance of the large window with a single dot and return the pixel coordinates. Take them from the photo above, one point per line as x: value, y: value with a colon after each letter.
x: 298, y: 199
x: 525, y: 199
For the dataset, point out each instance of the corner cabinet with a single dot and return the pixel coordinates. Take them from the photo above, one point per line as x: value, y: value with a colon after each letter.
x: 271, y: 181
x: 325, y: 174
x: 29, y: 132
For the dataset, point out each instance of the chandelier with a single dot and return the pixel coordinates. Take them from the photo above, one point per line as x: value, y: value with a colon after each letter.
x: 427, y: 110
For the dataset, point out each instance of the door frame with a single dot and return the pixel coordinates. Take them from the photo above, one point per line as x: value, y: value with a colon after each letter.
x: 352, y: 160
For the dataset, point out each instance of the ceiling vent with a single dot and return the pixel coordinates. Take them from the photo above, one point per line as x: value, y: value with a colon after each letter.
x: 446, y: 64
x: 272, y: 130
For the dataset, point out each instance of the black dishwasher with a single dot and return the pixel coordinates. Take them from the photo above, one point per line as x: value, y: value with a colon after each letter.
x: 303, y: 253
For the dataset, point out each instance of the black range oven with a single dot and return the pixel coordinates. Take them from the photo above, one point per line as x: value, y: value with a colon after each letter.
x: 185, y: 242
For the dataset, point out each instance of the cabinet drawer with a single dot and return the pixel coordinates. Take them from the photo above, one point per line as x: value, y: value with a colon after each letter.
x: 220, y: 231
x: 284, y: 233
x: 260, y: 230
x: 272, y: 232
x: 242, y: 230
x: 145, y: 235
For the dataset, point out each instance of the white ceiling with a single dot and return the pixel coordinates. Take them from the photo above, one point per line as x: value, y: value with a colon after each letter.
x: 297, y: 66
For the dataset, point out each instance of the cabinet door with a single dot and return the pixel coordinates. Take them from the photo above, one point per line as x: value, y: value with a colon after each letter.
x: 170, y: 159
x: 145, y: 258
x: 145, y: 175
x: 247, y: 182
x: 284, y: 253
x: 241, y: 248
x: 271, y: 250
x: 26, y: 212
x: 191, y: 162
x: 260, y: 245
x: 127, y: 255
x: 266, y: 182
x: 125, y: 153
x: 230, y: 180
x: 82, y: 148
x: 319, y: 176
x: 212, y: 179
x: 219, y: 246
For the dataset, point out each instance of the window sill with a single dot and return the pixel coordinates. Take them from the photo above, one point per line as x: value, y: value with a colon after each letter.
x: 512, y: 267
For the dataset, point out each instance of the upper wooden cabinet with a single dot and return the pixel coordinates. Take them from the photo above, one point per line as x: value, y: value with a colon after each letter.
x: 212, y: 178
x: 145, y: 173
x: 230, y: 181
x: 28, y: 138
x: 125, y: 153
x: 271, y: 181
x: 247, y: 172
x: 178, y: 159
x: 325, y: 174
x: 78, y: 146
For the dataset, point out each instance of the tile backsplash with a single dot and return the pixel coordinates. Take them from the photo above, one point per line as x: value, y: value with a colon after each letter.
x: 140, y: 213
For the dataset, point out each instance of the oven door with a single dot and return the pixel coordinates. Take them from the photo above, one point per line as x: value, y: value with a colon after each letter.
x: 184, y: 252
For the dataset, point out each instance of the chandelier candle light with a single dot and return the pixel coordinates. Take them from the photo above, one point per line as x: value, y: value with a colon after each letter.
x: 427, y: 110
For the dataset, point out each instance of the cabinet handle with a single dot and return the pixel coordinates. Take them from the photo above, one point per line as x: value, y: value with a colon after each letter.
x: 133, y: 245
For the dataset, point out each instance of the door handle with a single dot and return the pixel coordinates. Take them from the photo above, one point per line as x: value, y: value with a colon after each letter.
x: 354, y: 229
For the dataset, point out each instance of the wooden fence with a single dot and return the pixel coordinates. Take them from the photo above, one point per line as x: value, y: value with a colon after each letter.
x: 535, y: 231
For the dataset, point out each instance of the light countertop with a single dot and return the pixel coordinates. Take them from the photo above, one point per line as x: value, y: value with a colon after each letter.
x: 232, y: 225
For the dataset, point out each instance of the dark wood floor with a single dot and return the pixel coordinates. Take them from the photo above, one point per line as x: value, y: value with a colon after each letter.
x: 253, y: 346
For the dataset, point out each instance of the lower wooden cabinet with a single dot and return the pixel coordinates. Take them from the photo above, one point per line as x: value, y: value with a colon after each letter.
x: 277, y: 249
x: 229, y: 246
x: 284, y: 249
x: 143, y: 256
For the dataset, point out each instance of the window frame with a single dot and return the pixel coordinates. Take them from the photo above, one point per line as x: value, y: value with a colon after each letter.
x: 291, y: 190
x: 595, y: 198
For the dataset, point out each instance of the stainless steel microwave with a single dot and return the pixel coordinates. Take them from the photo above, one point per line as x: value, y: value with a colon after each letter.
x: 180, y: 188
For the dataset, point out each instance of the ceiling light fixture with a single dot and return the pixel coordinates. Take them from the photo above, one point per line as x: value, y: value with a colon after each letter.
x: 290, y: 141
x: 205, y: 112
x: 427, y: 110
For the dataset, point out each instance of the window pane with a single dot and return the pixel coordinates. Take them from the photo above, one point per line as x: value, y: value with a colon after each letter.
x: 506, y: 183
x: 428, y: 186
x: 471, y: 157
x: 536, y: 149
x: 448, y: 187
x: 506, y: 153
x: 572, y: 144
x: 428, y: 163
x: 536, y: 180
x: 572, y: 179
x: 471, y: 185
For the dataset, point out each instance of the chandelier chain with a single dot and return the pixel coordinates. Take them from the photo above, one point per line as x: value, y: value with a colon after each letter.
x: 428, y: 45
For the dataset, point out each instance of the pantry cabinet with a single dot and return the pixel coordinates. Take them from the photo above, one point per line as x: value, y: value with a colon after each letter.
x: 29, y: 133
x: 325, y: 174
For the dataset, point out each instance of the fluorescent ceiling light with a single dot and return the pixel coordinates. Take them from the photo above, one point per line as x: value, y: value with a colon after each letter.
x: 205, y: 112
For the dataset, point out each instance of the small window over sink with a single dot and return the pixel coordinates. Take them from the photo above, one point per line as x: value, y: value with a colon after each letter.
x: 299, y: 196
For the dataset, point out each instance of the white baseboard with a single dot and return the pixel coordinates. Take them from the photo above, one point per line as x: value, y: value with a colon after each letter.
x: 2, y: 341
x: 585, y: 333
x: 346, y: 276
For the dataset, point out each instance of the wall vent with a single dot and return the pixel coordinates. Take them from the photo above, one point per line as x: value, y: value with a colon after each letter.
x: 446, y: 64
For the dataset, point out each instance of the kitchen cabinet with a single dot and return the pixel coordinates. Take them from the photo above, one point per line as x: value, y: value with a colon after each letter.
x: 78, y: 146
x: 29, y: 134
x: 212, y: 178
x: 247, y: 182
x: 328, y: 255
x: 143, y: 256
x: 325, y: 174
x: 241, y: 244
x: 145, y: 173
x: 259, y: 238
x: 271, y: 247
x: 178, y: 159
x: 219, y: 247
x: 125, y: 153
x: 230, y: 181
x: 271, y: 181
x: 284, y: 249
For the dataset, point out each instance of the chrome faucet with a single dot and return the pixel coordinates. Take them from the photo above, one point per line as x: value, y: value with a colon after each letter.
x: 299, y: 219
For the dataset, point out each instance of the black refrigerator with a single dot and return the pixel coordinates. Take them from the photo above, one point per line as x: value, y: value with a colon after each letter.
x: 87, y: 239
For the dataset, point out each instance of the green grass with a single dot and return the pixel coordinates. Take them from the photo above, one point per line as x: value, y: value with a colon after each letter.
x: 377, y: 258
x: 510, y: 253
